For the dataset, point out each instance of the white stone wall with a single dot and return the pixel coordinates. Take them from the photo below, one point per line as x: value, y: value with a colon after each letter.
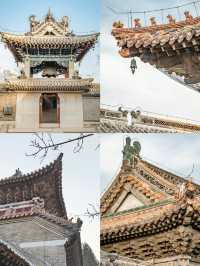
x: 27, y: 111
x: 71, y: 111
x: 91, y: 108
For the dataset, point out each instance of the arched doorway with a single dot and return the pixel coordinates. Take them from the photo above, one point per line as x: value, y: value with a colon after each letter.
x: 49, y: 108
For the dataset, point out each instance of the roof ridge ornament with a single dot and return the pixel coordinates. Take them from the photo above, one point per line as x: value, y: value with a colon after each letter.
x: 17, y: 173
x: 186, y: 192
x: 49, y: 17
x: 131, y: 153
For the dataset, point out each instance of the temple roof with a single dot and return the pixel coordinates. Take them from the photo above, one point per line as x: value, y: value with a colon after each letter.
x: 45, y: 183
x: 151, y: 221
x: 46, y: 84
x: 156, y: 36
x: 85, y: 86
x: 143, y: 122
x: 49, y: 34
x: 33, y: 208
x: 146, y: 211
x: 171, y: 47
x: 145, y: 181
x: 49, y: 41
x: 12, y: 254
x: 109, y: 127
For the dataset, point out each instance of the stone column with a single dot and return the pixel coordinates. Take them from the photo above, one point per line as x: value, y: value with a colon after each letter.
x: 27, y: 67
x: 71, y: 67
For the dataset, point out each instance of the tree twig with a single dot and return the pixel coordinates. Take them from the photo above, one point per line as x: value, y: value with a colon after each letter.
x: 42, y: 143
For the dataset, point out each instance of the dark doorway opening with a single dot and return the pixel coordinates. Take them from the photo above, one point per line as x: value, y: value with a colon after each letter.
x: 49, y: 108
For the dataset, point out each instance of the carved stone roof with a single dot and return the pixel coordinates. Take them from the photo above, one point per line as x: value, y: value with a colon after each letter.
x: 45, y: 183
x: 109, y: 127
x: 12, y: 254
x: 42, y: 84
x: 116, y: 121
x: 162, y: 217
x: 148, y: 180
x: 49, y: 25
x: 31, y: 208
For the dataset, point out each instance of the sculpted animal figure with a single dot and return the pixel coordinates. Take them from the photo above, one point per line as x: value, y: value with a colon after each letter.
x: 171, y: 19
x: 137, y: 23
x: 153, y: 21
x: 130, y: 151
x: 118, y: 24
x: 188, y: 16
x: 33, y: 22
x: 65, y: 21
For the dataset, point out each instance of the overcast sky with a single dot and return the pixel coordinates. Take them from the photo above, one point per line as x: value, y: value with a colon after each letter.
x: 174, y: 152
x: 148, y: 88
x: 84, y: 18
x: 81, y: 184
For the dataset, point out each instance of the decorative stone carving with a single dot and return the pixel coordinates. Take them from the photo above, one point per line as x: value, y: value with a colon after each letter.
x: 186, y: 192
x: 33, y: 22
x: 137, y: 23
x: 188, y: 16
x: 65, y: 22
x: 118, y: 24
x: 171, y: 20
x: 153, y: 21
x: 129, y: 152
x: 49, y: 16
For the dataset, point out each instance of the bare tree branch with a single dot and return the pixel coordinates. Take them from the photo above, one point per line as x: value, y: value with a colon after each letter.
x: 92, y: 212
x: 42, y: 143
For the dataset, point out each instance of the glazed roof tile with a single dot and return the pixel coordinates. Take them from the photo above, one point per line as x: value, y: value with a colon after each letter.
x: 109, y: 127
x: 115, y: 121
x: 38, y: 183
x: 157, y: 36
x: 29, y: 210
x: 156, y: 184
x: 49, y: 41
x: 150, y: 221
x: 49, y: 84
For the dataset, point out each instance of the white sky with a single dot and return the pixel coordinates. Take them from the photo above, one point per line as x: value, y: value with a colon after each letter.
x: 80, y: 175
x: 148, y: 88
x: 174, y: 152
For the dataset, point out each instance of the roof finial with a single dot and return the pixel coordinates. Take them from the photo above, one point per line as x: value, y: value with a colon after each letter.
x: 49, y: 15
x: 130, y: 152
x: 17, y: 173
x: 49, y: 12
